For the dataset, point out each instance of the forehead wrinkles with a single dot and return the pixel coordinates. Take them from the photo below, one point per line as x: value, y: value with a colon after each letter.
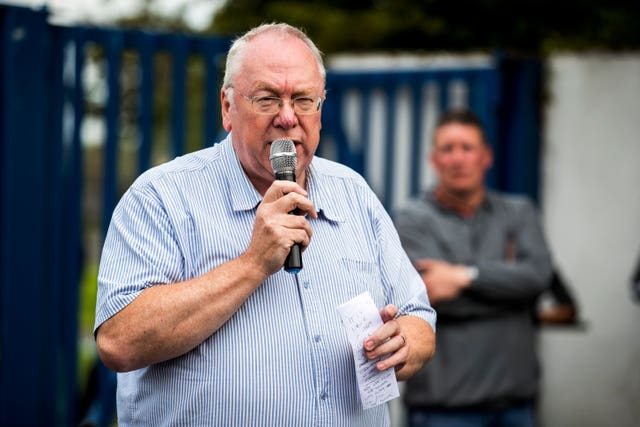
x: 283, y: 63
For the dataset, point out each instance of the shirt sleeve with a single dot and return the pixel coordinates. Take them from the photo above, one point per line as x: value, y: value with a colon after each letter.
x: 140, y: 250
x: 528, y: 272
x: 404, y: 284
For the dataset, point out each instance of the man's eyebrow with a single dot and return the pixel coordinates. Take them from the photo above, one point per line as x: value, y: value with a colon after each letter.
x: 266, y: 87
x: 263, y: 87
x: 260, y: 85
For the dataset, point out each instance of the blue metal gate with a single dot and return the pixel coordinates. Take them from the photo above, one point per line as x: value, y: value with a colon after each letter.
x: 61, y: 85
x: 380, y: 122
x: 44, y: 116
x: 408, y: 102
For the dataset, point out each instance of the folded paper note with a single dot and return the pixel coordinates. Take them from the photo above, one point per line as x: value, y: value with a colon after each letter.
x: 361, y: 318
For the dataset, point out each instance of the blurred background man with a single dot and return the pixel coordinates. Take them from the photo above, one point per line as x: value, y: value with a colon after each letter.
x: 484, y: 261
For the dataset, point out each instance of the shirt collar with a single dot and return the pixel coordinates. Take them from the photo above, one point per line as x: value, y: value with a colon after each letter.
x: 244, y: 195
x: 323, y: 201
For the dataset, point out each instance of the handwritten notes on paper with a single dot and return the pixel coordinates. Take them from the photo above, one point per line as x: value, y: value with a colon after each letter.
x: 361, y: 318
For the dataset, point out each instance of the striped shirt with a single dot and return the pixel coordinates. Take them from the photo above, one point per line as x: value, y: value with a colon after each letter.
x: 283, y: 359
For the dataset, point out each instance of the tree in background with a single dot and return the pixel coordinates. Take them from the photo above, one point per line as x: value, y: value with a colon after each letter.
x: 525, y: 27
x: 532, y: 27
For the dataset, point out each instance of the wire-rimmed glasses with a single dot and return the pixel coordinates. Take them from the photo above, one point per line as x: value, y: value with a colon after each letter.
x: 303, y: 105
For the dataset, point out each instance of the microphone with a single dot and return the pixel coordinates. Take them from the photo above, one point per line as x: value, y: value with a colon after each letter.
x: 284, y: 159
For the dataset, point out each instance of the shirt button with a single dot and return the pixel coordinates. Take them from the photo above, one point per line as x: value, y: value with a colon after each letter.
x: 316, y: 338
x: 306, y: 284
x: 324, y: 396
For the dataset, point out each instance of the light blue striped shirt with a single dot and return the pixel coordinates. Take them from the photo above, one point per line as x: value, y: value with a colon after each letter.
x: 283, y: 359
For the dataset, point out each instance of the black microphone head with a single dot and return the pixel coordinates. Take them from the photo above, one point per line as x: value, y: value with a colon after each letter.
x: 283, y: 156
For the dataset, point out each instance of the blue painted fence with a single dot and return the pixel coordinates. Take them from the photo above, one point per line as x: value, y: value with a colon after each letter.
x: 391, y: 120
x: 378, y: 122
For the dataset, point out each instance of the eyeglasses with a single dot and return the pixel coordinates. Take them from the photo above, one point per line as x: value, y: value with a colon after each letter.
x: 303, y: 105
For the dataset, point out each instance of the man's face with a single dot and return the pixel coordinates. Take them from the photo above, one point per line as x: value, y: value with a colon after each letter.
x: 460, y: 158
x: 277, y: 67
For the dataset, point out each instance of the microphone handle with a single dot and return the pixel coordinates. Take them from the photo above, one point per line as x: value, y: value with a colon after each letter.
x: 293, y: 262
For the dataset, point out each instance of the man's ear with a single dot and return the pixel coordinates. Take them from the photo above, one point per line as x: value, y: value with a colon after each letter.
x: 431, y: 158
x: 488, y: 162
x: 225, y: 105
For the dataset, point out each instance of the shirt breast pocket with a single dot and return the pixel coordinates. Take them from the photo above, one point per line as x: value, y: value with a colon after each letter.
x: 365, y: 276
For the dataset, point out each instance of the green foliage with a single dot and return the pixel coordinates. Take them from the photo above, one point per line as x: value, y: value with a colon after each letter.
x: 86, y: 318
x: 88, y: 290
x: 527, y: 26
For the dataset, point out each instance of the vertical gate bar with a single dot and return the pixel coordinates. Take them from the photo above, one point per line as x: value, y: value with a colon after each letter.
x: 417, y: 157
x: 73, y: 225
x: 110, y: 183
x: 365, y: 130
x: 179, y: 54
x: 389, y: 146
x: 146, y: 52
x: 29, y: 319
x: 443, y: 90
x: 211, y: 103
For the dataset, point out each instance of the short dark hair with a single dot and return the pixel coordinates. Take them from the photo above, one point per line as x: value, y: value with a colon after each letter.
x: 463, y: 117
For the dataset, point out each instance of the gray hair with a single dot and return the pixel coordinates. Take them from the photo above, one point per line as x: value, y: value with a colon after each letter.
x: 235, y: 55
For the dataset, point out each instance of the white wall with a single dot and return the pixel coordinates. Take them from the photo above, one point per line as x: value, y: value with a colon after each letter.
x: 591, y: 213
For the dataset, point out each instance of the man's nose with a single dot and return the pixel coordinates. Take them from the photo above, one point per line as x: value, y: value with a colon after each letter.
x: 458, y: 154
x: 286, y: 117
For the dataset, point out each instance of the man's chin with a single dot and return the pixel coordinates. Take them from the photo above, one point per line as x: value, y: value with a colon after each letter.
x: 462, y: 188
x: 462, y: 191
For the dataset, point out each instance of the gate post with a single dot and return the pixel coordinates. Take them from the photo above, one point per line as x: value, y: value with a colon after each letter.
x: 37, y: 364
x: 518, y: 167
